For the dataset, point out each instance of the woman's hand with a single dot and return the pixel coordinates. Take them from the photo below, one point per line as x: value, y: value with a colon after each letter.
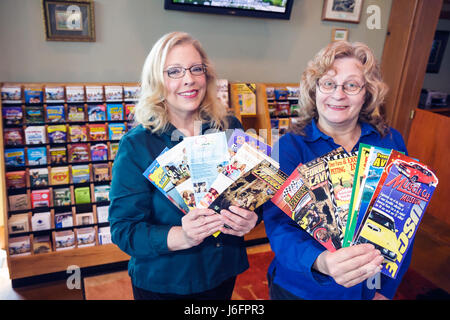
x: 241, y: 221
x: 196, y: 225
x: 350, y: 266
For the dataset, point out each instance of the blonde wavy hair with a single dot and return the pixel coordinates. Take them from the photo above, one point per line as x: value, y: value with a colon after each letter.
x: 151, y: 109
x: 376, y: 89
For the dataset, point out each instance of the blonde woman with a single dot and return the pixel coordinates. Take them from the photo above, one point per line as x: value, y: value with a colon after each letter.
x: 341, y: 96
x: 174, y: 256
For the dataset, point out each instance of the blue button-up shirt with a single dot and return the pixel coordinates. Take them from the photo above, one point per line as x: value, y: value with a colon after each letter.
x: 295, y: 250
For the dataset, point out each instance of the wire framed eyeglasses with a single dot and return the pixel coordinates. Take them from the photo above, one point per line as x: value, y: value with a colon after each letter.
x: 349, y: 87
x: 179, y: 72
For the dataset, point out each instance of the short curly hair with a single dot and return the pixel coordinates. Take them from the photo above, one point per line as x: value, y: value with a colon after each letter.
x: 376, y: 89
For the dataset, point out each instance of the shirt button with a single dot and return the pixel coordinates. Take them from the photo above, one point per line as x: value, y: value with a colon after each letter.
x: 218, y: 244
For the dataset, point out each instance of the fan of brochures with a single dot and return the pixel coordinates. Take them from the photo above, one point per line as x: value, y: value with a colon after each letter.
x: 374, y: 195
x: 211, y: 171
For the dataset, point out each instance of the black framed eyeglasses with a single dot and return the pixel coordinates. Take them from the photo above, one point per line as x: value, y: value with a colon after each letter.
x: 349, y: 87
x: 179, y: 72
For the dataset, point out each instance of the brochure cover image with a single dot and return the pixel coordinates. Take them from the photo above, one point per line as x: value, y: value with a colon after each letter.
x: 158, y: 177
x: 396, y: 209
x: 252, y: 189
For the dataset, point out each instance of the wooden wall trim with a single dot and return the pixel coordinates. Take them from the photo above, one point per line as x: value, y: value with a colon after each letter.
x: 411, y: 31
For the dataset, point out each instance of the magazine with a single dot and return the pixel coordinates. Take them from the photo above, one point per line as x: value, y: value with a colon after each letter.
x: 39, y: 177
x: 206, y: 155
x: 16, y: 179
x: 131, y: 93
x: 96, y: 112
x: 306, y: 198
x: 59, y: 175
x: 116, y: 131
x: 251, y: 190
x: 341, y: 175
x: 58, y: 155
x: 80, y: 173
x: 55, y: 113
x: 114, y: 111
x: 64, y: 240
x: 376, y: 162
x: 19, y: 246
x: 239, y: 137
x: 63, y: 220
x: 363, y: 155
x: 11, y: 94
x: 113, y: 93
x: 76, y: 113
x: 33, y: 95
x: 18, y: 223
x: 34, y: 114
x: 13, y: 136
x: 37, y: 156
x: 15, y: 157
x: 75, y: 94
x: 78, y: 133
x: 99, y: 152
x: 54, y: 94
x: 61, y: 197
x: 78, y: 152
x: 94, y: 93
x: 396, y: 209
x: 245, y: 159
x: 19, y: 202
x: 57, y: 133
x: 174, y: 162
x: 245, y: 97
x: 40, y: 198
x: 12, y: 115
x: 158, y: 177
x: 35, y: 135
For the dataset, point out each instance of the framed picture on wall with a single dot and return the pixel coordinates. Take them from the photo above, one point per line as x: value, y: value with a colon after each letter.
x: 69, y: 20
x: 342, y: 10
x: 339, y: 34
x: 437, y: 51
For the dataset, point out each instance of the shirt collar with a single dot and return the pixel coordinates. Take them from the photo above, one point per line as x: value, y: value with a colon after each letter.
x: 313, y: 133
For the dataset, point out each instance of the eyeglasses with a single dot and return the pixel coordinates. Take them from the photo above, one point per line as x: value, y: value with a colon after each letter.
x: 179, y: 72
x: 349, y: 87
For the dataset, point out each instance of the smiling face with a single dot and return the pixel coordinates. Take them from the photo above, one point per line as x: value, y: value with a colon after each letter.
x: 184, y: 95
x: 338, y: 109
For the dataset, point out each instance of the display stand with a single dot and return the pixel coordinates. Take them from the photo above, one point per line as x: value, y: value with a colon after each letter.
x: 96, y: 254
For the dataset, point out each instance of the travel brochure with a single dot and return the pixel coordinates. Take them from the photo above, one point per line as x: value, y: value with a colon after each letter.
x: 211, y: 171
x: 375, y: 196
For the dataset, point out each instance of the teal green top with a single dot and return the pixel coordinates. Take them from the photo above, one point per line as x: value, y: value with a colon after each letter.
x: 141, y: 217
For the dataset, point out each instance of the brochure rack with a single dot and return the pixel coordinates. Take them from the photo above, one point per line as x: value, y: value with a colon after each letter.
x: 24, y: 266
x: 262, y: 122
x: 59, y: 259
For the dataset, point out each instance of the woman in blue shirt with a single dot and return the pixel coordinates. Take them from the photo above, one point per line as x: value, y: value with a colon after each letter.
x: 174, y: 256
x: 341, y: 94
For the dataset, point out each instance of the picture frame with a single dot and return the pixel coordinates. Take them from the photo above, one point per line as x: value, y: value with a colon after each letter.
x: 342, y: 10
x: 339, y: 34
x: 437, y: 51
x: 68, y: 20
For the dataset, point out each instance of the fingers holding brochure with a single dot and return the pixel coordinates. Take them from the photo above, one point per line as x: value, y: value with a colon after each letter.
x: 241, y: 221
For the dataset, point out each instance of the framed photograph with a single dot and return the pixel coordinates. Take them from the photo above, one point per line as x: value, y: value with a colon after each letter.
x: 437, y: 51
x: 71, y: 20
x: 342, y: 10
x: 339, y: 34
